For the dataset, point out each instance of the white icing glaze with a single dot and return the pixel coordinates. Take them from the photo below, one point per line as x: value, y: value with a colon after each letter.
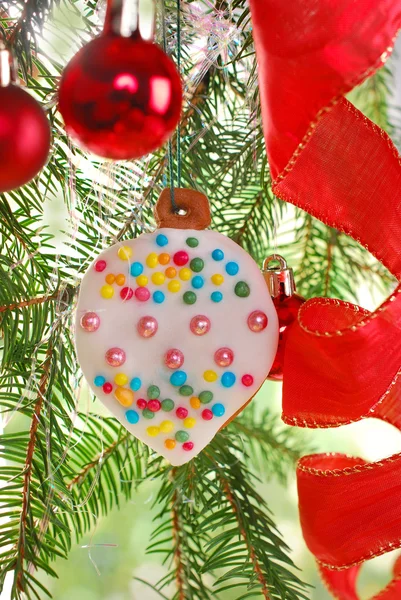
x: 253, y: 352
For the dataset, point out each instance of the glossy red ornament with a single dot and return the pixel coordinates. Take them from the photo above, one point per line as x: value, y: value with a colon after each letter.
x: 24, y: 131
x: 120, y: 96
x: 280, y: 281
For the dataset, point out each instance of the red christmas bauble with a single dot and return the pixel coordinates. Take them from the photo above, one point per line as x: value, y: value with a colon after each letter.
x: 24, y: 137
x: 287, y: 310
x: 120, y: 97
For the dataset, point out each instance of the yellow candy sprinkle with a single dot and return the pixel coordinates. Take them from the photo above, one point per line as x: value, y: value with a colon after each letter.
x: 158, y: 278
x: 166, y: 426
x: 142, y: 280
x: 170, y: 444
x: 164, y: 258
x: 124, y: 396
x: 171, y: 272
x: 107, y: 291
x: 174, y: 286
x: 121, y: 379
x: 189, y: 422
x: 217, y: 279
x: 210, y: 376
x: 185, y: 274
x: 125, y: 252
x: 110, y: 279
x: 120, y: 279
x: 152, y: 260
x: 195, y: 402
x: 153, y: 431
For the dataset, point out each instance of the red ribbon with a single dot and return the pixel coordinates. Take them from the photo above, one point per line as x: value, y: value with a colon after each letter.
x: 341, y: 362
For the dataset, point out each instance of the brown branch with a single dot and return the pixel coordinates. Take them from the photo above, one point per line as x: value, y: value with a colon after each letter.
x: 176, y: 540
x: 31, y: 302
x: 28, y: 464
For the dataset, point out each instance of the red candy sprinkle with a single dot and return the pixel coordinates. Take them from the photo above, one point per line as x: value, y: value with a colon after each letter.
x: 188, y: 446
x: 141, y: 403
x: 107, y: 387
x: 154, y: 405
x: 181, y: 412
x: 207, y: 414
x: 180, y: 258
x: 100, y: 265
x: 127, y: 293
x: 142, y: 294
x: 247, y: 380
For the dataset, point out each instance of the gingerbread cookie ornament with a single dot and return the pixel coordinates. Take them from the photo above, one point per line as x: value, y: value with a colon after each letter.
x: 176, y: 329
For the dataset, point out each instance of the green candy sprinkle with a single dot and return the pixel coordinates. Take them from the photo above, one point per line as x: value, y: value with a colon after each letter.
x: 167, y: 405
x: 153, y: 392
x: 186, y: 390
x: 192, y: 242
x: 206, y: 397
x: 242, y: 289
x: 189, y: 297
x: 196, y: 265
x: 182, y: 436
x: 148, y: 414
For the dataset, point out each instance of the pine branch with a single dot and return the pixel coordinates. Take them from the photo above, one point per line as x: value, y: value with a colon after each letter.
x: 31, y: 302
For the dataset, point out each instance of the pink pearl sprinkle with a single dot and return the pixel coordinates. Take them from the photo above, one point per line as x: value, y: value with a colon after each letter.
x: 174, y: 358
x: 188, y: 446
x: 247, y: 380
x: 200, y: 325
x: 90, y: 322
x: 107, y: 387
x: 126, y: 293
x: 207, y: 414
x: 147, y: 326
x: 181, y: 258
x: 141, y: 403
x: 181, y: 412
x: 142, y: 294
x: 100, y: 265
x: 257, y: 321
x: 154, y: 405
x: 115, y: 357
x: 223, y: 357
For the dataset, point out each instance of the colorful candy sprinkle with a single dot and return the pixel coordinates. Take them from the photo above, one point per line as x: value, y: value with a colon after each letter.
x: 223, y: 357
x: 192, y: 242
x: 210, y: 376
x: 174, y: 286
x: 178, y: 378
x: 100, y: 265
x: 200, y: 325
x: 170, y: 444
x: 171, y: 272
x: 164, y: 258
x: 195, y: 402
x: 132, y: 417
x: 115, y: 357
x: 107, y: 292
x: 232, y: 268
x: 153, y: 391
x: 121, y: 379
x: 197, y: 282
x: 188, y: 446
x: 136, y: 269
x: 207, y: 414
x: 181, y: 258
x: 120, y: 279
x: 189, y: 297
x: 152, y: 260
x: 217, y: 254
x: 107, y: 387
x: 153, y: 431
x: 197, y: 265
x: 186, y: 390
x: 228, y: 379
x: 154, y: 405
x: 158, y: 278
x: 218, y: 410
x: 141, y: 403
x: 167, y: 405
x: 147, y: 326
x: 181, y: 412
x: 247, y: 380
x: 99, y: 380
x: 217, y: 279
x: 158, y: 297
x: 182, y: 436
x: 189, y: 422
x: 142, y: 280
x: 135, y: 384
x: 185, y: 274
x: 161, y: 240
x: 110, y: 279
x: 90, y: 322
x: 216, y: 296
x: 257, y: 321
x: 124, y: 396
x: 142, y: 294
x: 174, y: 358
x: 206, y: 397
x: 147, y: 414
x: 126, y: 293
x: 242, y: 289
x: 124, y: 253
x: 166, y: 426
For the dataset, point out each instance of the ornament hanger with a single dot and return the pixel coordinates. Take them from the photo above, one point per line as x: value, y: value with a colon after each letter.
x: 122, y: 18
x: 8, y: 71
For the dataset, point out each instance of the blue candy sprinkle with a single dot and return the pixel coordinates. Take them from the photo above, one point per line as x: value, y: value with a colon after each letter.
x: 218, y: 410
x: 135, y: 384
x: 197, y: 282
x: 99, y: 380
x: 216, y: 296
x: 232, y: 268
x: 133, y: 417
x: 136, y: 269
x: 178, y: 378
x: 161, y: 240
x: 228, y: 379
x: 217, y: 254
x: 158, y: 297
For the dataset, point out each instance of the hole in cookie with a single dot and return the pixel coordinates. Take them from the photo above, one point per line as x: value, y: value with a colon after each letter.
x: 181, y: 212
